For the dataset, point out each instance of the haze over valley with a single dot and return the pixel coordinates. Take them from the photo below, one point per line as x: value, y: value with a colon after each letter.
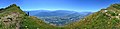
x: 59, y: 14
x: 59, y: 17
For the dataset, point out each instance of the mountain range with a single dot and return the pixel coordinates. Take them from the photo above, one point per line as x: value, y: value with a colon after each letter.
x: 12, y: 17
x: 58, y: 17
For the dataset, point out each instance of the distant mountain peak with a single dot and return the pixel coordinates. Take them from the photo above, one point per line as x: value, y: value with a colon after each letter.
x: 13, y: 17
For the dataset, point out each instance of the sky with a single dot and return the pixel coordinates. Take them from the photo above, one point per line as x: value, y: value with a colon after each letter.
x: 71, y: 5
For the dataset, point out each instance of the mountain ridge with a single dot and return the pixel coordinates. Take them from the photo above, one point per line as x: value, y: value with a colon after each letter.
x: 13, y: 18
x: 59, y: 17
x: 104, y: 19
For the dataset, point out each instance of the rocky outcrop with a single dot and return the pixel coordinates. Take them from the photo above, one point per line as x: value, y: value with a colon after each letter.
x: 11, y: 19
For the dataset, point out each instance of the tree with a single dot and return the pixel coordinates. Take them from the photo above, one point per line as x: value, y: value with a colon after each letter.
x: 1, y: 9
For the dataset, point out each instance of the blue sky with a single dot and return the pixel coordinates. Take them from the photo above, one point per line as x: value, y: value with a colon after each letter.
x: 72, y: 5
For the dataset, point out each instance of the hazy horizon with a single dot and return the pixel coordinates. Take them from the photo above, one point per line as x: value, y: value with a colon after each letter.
x: 52, y: 5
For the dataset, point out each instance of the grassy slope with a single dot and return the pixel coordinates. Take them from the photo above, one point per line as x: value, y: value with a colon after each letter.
x: 29, y: 22
x: 98, y: 20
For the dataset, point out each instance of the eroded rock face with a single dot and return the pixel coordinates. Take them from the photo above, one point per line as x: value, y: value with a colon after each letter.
x: 11, y: 20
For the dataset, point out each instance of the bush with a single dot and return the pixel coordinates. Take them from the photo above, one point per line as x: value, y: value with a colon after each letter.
x: 117, y: 7
x: 112, y: 13
x: 1, y: 9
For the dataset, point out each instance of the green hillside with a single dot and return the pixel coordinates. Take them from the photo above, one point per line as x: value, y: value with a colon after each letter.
x: 108, y: 18
x: 12, y: 17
